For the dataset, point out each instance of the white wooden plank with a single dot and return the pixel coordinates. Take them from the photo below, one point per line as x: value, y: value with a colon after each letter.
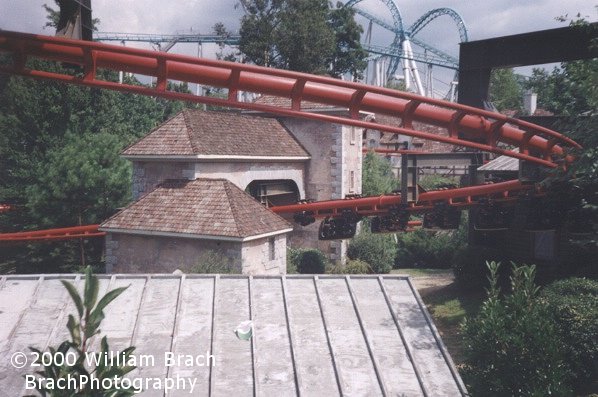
x: 193, y: 335
x: 121, y: 314
x: 33, y: 330
x: 355, y: 367
x: 434, y: 369
x: 312, y: 354
x: 385, y: 341
x: 233, y: 373
x: 274, y: 366
x: 155, y: 325
x: 15, y: 298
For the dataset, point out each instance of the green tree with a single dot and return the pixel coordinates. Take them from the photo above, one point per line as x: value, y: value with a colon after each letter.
x: 306, y: 261
x: 348, y: 56
x: 302, y: 35
x: 47, y: 127
x: 81, y: 182
x: 571, y: 91
x: 377, y: 175
x: 505, y: 90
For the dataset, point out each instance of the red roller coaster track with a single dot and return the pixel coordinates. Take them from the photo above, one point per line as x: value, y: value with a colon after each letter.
x: 54, y: 234
x: 466, y: 126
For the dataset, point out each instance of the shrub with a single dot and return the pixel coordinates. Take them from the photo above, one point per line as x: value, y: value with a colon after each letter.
x: 210, y: 262
x: 353, y: 266
x: 422, y: 248
x: 510, y: 347
x: 306, y: 261
x: 579, y: 259
x: 469, y: 267
x: 291, y: 261
x: 573, y: 305
x: 378, y: 250
x: 434, y: 181
x: 356, y: 266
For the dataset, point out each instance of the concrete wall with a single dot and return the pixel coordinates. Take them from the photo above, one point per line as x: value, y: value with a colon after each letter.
x: 129, y: 253
x: 148, y: 174
x: 242, y: 174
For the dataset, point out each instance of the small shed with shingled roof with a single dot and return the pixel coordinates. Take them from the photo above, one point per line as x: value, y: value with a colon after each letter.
x: 182, y: 222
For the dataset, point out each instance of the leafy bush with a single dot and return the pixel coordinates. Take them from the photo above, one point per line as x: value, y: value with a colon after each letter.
x: 377, y: 175
x: 469, y: 267
x: 434, y: 181
x: 573, y: 305
x: 422, y: 248
x: 510, y: 347
x: 353, y: 266
x: 579, y: 259
x: 306, y: 261
x: 82, y: 328
x: 211, y: 262
x: 378, y: 250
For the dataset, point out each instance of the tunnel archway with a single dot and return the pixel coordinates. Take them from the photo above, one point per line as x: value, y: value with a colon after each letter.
x: 274, y: 192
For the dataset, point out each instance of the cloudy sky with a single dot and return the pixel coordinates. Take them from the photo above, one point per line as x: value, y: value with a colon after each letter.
x: 483, y: 18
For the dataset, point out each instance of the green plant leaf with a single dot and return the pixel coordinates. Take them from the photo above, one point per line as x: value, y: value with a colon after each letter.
x: 93, y: 323
x: 74, y: 330
x: 91, y: 289
x: 109, y: 297
x: 74, y: 296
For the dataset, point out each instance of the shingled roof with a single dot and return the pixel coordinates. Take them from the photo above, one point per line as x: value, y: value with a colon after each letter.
x: 281, y: 102
x: 202, y: 208
x: 201, y: 134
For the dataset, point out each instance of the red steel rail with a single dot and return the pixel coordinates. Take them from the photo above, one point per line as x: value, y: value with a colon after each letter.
x: 54, y: 234
x: 6, y: 208
x: 466, y: 126
x: 380, y: 205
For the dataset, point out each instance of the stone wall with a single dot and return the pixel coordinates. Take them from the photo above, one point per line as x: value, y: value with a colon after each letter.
x: 319, y: 139
x: 129, y: 253
x: 265, y: 256
x: 333, y: 172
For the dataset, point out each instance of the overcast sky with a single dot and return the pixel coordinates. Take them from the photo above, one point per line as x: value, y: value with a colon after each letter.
x: 483, y: 18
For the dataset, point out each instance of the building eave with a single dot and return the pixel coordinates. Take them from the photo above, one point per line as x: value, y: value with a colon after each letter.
x: 142, y: 232
x: 214, y: 158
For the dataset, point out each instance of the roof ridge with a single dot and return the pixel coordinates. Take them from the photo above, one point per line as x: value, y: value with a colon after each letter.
x: 188, y: 130
x: 231, y: 204
x: 158, y: 126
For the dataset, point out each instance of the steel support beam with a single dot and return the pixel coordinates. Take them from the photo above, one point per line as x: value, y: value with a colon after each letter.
x: 478, y: 58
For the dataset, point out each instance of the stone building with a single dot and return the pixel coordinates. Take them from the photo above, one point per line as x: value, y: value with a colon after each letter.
x: 172, y: 226
x: 276, y: 160
x: 333, y: 171
x: 255, y: 153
